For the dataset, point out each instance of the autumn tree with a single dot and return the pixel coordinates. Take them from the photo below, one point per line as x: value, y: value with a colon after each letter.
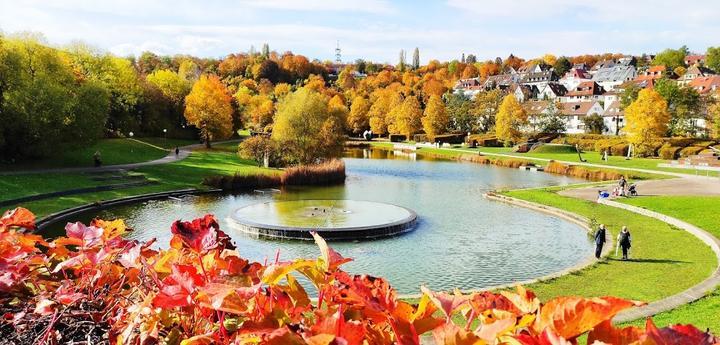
x: 684, y: 105
x: 208, y: 107
x: 171, y: 84
x: 485, y: 107
x: 358, y: 119
x: 509, y: 119
x: 646, y: 121
x: 306, y: 129
x: 407, y: 117
x: 384, y: 100
x: 435, y: 119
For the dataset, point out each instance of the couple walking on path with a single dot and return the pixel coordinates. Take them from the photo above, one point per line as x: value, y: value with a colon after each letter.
x: 624, y: 241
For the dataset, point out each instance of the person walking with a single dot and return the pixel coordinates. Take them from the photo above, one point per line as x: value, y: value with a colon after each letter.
x: 599, y: 240
x: 624, y: 240
x: 177, y: 151
x: 622, y: 183
x: 96, y: 159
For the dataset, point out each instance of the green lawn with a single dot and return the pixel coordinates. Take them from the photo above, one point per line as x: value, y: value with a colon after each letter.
x: 168, y: 144
x: 696, y: 210
x: 662, y: 265
x: 112, y: 151
x: 187, y: 173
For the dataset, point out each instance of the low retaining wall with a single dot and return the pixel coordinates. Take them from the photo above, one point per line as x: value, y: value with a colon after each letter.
x: 48, y: 220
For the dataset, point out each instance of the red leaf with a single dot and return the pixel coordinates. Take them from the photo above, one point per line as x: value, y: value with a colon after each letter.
x: 570, y: 317
x: 202, y: 234
x: 678, y: 335
x: 89, y: 235
x: 606, y: 333
x: 20, y: 217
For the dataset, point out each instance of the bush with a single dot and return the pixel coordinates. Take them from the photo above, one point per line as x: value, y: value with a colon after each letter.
x: 242, y: 182
x: 668, y: 151
x: 397, y: 138
x: 449, y: 138
x: 691, y: 150
x: 256, y: 147
x: 619, y: 149
x: 420, y: 138
x: 554, y: 148
x: 581, y: 172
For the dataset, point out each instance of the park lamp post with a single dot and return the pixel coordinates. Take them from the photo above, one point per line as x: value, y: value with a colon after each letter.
x: 131, y: 134
x: 165, y: 133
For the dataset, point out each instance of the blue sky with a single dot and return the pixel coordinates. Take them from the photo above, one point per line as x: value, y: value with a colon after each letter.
x: 371, y: 29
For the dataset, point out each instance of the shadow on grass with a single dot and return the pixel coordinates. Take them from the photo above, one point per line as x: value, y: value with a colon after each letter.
x: 651, y: 261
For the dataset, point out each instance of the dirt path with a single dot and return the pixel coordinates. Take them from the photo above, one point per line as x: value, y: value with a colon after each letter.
x: 688, y: 185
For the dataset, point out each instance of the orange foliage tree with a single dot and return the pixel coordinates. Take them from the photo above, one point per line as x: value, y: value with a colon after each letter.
x: 208, y: 108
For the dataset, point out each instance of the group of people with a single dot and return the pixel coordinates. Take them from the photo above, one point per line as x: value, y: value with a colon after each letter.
x: 624, y: 241
x: 623, y: 188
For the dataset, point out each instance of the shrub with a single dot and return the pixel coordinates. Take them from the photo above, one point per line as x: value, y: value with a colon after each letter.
x: 554, y: 148
x: 668, y: 151
x: 619, y: 149
x: 449, y: 138
x: 397, y: 138
x: 691, y: 150
x: 240, y: 182
x: 420, y: 138
x: 256, y: 147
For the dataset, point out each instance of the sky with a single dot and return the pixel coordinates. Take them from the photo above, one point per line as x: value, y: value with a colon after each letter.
x: 371, y: 29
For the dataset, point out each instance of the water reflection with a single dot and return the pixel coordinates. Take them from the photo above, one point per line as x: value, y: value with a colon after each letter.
x: 461, y: 240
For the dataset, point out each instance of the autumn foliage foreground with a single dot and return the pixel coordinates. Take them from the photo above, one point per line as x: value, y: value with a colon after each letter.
x: 94, y: 286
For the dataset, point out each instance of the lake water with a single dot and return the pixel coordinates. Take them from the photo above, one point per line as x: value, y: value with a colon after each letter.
x: 461, y: 239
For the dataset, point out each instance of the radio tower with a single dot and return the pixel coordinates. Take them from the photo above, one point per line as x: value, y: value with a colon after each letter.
x: 338, y: 57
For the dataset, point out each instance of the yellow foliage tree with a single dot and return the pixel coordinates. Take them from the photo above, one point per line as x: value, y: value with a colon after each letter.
x: 385, y: 100
x: 435, y: 119
x: 408, y: 117
x: 647, y: 120
x: 509, y: 119
x: 714, y: 117
x: 208, y: 108
x: 358, y: 120
x: 306, y: 129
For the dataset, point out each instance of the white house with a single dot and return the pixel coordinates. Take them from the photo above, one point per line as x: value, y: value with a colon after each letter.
x: 575, y: 76
x: 611, y: 77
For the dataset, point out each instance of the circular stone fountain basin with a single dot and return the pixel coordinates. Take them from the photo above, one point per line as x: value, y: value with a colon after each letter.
x: 332, y: 219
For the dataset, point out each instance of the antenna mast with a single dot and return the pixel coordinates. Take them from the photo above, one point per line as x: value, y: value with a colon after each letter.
x: 338, y: 57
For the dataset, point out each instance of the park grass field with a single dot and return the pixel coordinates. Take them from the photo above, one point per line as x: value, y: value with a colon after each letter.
x: 661, y: 265
x: 703, y: 313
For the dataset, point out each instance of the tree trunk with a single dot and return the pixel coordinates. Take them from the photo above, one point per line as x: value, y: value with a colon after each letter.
x: 207, y: 142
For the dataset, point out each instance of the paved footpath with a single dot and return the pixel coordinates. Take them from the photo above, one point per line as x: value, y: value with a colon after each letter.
x: 171, y: 157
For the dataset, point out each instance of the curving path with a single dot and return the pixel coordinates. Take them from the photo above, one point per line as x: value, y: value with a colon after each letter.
x: 185, y: 152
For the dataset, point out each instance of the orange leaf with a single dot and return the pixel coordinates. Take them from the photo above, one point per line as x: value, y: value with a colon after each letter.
x: 20, y: 217
x: 446, y: 302
x: 451, y: 334
x: 606, y: 333
x: 570, y: 317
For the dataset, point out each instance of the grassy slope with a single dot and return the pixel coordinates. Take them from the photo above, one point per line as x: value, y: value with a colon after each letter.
x: 661, y: 264
x: 112, y: 151
x: 168, y: 144
x: 703, y: 313
x: 187, y: 173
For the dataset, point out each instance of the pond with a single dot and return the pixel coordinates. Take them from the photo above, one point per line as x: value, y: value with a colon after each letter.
x: 461, y: 240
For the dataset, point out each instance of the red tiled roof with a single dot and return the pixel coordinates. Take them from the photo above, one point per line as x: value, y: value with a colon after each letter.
x: 705, y: 84
x: 659, y: 68
x: 586, y: 88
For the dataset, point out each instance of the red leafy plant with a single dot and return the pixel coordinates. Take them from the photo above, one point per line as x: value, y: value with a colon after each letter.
x: 201, y: 291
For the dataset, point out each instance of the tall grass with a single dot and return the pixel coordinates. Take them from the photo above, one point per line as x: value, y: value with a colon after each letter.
x: 578, y: 171
x: 331, y: 172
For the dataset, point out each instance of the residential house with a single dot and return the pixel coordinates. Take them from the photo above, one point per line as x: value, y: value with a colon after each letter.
x: 706, y: 85
x: 614, y: 118
x: 585, y: 91
x: 575, y: 76
x: 551, y: 91
x: 648, y: 77
x: 524, y: 92
x: 468, y: 87
x: 691, y: 60
x: 694, y: 72
x: 501, y: 81
x: 612, y: 77
x: 575, y: 113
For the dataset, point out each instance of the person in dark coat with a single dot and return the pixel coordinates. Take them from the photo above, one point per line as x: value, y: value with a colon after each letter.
x: 599, y: 240
x: 624, y: 241
x: 177, y: 151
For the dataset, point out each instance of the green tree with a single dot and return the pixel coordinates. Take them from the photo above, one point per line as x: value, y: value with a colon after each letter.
x: 171, y: 84
x: 594, y: 124
x: 552, y: 120
x: 629, y: 94
x: 712, y: 58
x: 671, y: 58
x: 684, y: 105
x: 435, y: 119
x: 208, y: 107
x: 306, y: 130
x: 509, y: 120
x: 561, y: 66
x: 460, y: 112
